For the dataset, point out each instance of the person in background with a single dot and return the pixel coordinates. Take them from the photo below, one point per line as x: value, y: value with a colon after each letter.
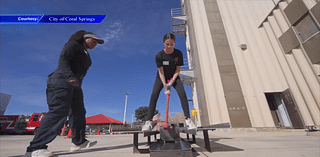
x: 169, y: 62
x: 65, y: 96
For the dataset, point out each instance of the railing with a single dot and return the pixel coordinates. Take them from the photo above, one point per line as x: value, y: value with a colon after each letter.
x: 185, y: 65
x: 177, y: 12
x: 178, y: 20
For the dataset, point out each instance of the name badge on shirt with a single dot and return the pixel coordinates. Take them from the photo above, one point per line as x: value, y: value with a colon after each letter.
x: 165, y: 62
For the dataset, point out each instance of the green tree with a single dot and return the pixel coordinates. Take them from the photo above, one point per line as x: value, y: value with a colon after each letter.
x: 141, y: 113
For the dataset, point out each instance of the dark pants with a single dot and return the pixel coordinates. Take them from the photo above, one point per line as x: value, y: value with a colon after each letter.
x: 63, y: 100
x: 178, y: 85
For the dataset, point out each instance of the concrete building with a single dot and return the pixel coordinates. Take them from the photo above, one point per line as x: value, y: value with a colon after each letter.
x: 252, y: 63
x: 4, y: 102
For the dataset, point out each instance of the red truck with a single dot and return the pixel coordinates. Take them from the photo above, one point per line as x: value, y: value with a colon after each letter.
x: 19, y: 124
x: 34, y: 123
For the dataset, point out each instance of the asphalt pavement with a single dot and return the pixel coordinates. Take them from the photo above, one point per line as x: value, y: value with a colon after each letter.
x: 224, y: 143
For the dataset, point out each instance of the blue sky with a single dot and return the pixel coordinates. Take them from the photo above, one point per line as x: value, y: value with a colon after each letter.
x: 133, y: 32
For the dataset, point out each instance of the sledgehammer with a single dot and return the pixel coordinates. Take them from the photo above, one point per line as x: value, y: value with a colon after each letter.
x: 166, y: 126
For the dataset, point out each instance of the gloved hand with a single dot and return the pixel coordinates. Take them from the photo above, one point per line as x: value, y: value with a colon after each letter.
x: 167, y: 90
x: 171, y: 83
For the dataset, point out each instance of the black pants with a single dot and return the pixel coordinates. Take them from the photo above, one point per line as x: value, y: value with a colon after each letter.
x: 63, y: 100
x: 178, y: 85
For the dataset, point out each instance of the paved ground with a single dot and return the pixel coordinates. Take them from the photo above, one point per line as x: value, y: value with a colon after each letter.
x: 223, y: 144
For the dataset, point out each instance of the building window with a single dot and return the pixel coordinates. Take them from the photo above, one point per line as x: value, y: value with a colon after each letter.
x: 35, y: 118
x: 306, y: 28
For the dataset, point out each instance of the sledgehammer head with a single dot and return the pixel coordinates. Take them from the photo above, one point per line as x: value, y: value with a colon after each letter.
x: 166, y: 127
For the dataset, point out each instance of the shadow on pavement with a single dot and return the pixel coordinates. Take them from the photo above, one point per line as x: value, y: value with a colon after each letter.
x: 88, y: 150
x: 217, y: 147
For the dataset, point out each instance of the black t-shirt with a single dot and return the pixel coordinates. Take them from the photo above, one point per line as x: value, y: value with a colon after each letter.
x: 169, y: 62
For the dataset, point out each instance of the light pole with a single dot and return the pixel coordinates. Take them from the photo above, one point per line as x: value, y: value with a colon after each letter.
x: 132, y: 121
x: 125, y: 108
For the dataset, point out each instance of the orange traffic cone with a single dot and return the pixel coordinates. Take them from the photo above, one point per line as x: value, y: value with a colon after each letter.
x: 69, y: 134
x: 63, y: 130
x: 98, y: 133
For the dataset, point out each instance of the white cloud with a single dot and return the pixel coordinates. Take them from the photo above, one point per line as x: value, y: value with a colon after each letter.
x: 114, y: 31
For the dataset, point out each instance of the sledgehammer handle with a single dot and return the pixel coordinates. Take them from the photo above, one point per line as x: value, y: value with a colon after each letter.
x: 167, y: 110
